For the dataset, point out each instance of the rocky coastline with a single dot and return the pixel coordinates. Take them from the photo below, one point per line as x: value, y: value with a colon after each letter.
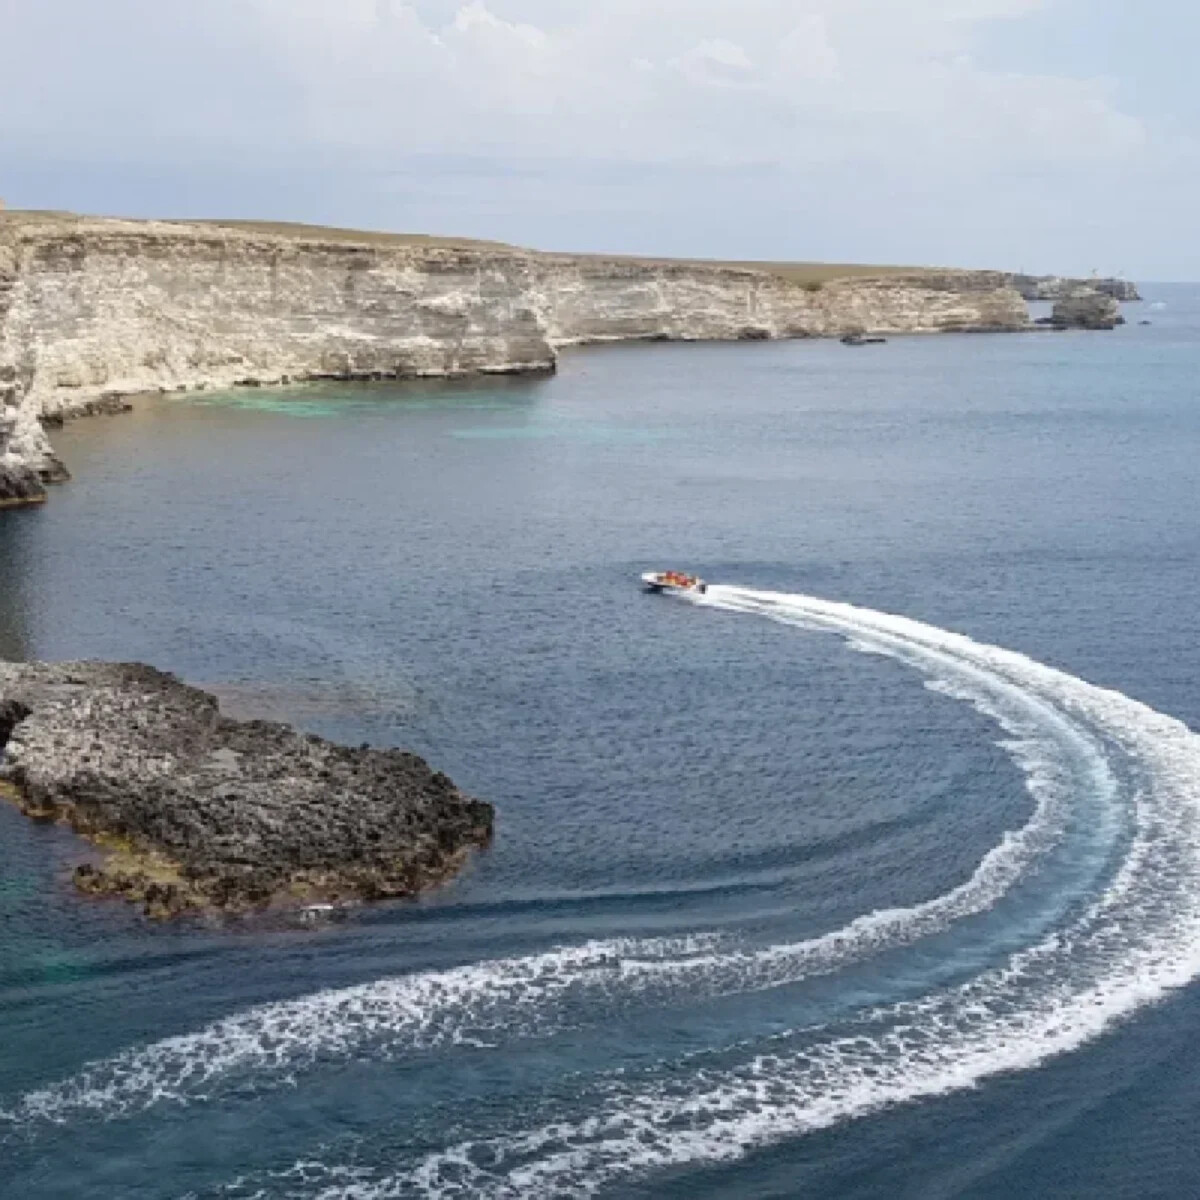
x: 1060, y: 287
x: 192, y: 811
x: 94, y: 310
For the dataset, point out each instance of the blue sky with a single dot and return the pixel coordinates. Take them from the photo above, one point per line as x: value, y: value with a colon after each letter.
x: 1048, y: 135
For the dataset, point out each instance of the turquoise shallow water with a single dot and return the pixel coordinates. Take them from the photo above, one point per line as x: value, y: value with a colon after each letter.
x: 764, y: 916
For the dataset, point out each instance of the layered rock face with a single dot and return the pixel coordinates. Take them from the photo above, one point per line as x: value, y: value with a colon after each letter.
x: 1030, y: 287
x: 92, y: 309
x: 111, y: 307
x: 20, y: 483
x: 1058, y: 287
x: 198, y: 811
x: 599, y: 299
x: 1086, y: 309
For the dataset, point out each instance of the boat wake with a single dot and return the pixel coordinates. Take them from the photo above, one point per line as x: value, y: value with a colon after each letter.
x: 1110, y: 859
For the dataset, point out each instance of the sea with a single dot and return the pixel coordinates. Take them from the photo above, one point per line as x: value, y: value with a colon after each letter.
x: 874, y: 872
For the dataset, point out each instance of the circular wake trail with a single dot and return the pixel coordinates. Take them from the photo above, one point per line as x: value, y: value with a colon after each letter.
x: 1135, y: 940
x: 1065, y: 768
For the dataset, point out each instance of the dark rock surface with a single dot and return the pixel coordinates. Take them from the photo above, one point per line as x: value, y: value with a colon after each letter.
x: 20, y: 485
x: 198, y: 811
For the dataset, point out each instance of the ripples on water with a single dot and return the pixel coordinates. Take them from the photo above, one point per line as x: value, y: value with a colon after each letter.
x: 763, y: 917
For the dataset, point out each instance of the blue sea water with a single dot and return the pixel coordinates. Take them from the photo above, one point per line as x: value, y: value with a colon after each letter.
x: 764, y: 916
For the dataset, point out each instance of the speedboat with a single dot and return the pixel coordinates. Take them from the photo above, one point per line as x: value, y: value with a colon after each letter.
x: 673, y: 581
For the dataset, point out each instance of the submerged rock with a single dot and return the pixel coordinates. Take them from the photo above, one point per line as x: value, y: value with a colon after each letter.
x: 199, y: 811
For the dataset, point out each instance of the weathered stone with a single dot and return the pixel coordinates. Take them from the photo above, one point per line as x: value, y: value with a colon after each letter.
x: 20, y: 485
x: 1057, y: 287
x: 586, y: 299
x: 96, y: 309
x: 1086, y: 309
x: 198, y: 811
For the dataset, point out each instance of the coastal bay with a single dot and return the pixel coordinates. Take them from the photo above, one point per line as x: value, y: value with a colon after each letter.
x: 93, y: 310
x: 724, y: 847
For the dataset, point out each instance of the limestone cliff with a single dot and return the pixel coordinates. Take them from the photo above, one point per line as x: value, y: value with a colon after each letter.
x: 1059, y: 287
x: 593, y: 299
x: 1086, y: 308
x: 93, y: 309
x: 1030, y: 287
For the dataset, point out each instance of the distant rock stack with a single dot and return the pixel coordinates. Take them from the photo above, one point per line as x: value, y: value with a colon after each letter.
x: 1086, y: 308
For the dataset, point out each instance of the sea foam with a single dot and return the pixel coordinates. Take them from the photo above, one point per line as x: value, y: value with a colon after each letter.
x: 502, y: 999
x: 1135, y: 940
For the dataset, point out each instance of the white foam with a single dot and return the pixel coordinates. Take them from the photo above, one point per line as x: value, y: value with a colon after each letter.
x: 1131, y: 945
x: 525, y: 996
x: 416, y: 1011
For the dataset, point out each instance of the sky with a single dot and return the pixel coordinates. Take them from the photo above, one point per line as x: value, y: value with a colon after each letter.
x: 1038, y: 135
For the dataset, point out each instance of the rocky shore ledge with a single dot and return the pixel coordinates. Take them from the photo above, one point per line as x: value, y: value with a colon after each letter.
x: 196, y: 811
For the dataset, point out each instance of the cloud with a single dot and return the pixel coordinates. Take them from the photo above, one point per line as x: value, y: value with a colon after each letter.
x: 715, y: 62
x: 796, y: 82
x: 805, y: 52
x: 827, y: 113
x: 792, y: 81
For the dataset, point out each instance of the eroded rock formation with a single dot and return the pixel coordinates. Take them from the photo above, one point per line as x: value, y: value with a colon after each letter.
x: 1085, y: 308
x: 198, y: 811
x: 1057, y: 287
x: 20, y: 483
x: 592, y: 299
x: 92, y: 310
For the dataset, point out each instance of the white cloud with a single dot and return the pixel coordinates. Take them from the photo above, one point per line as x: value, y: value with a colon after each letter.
x: 805, y: 52
x: 795, y: 82
x: 867, y: 127
x: 477, y: 16
x: 790, y: 81
x: 715, y: 62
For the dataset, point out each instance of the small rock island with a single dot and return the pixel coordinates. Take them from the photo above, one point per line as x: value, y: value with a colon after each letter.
x: 195, y: 811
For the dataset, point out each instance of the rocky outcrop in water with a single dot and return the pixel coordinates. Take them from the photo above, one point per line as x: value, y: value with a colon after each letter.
x: 1086, y: 309
x: 198, y: 811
